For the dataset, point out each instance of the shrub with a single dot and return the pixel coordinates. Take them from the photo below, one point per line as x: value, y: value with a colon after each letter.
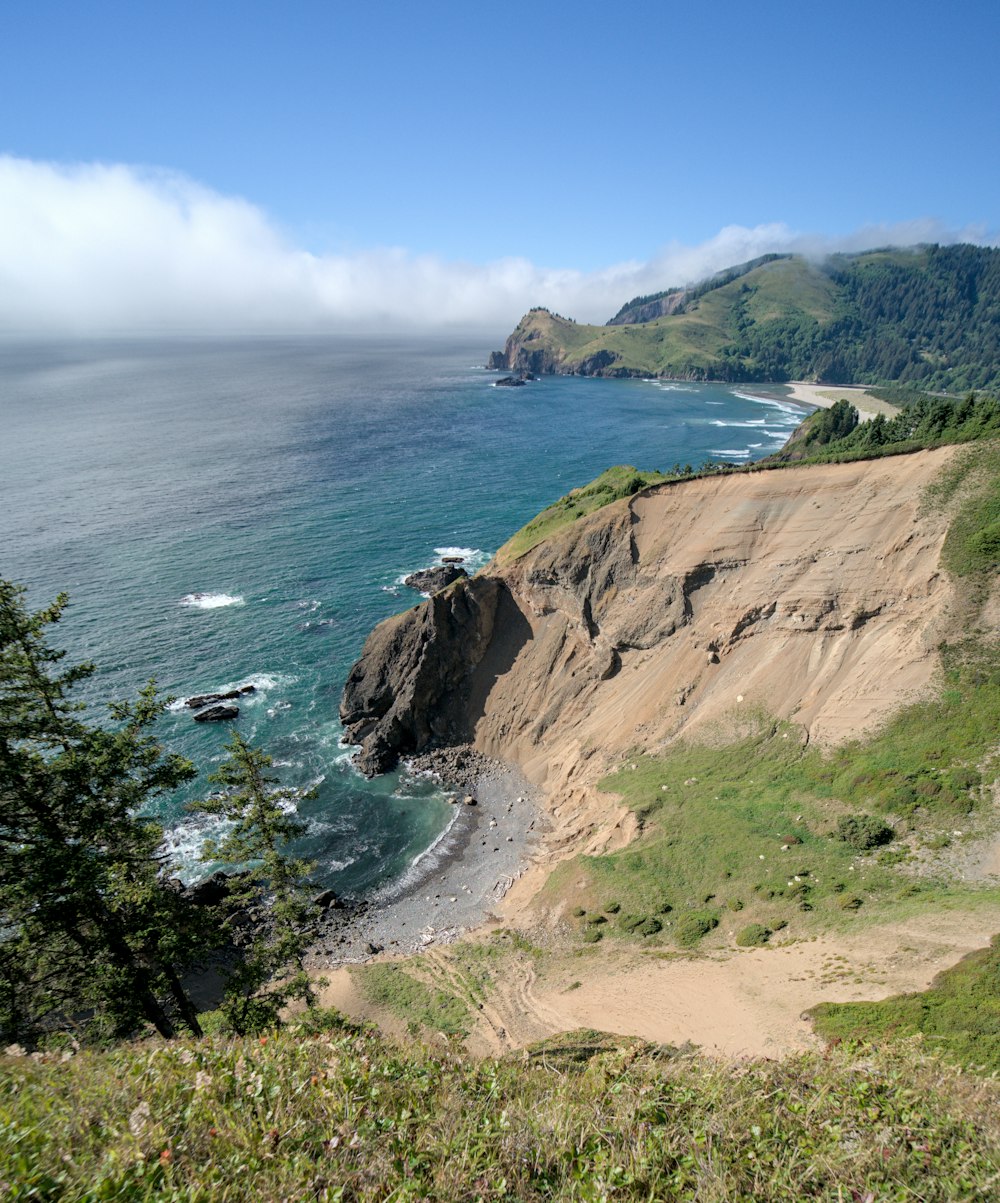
x: 578, y: 912
x: 591, y: 935
x: 650, y: 927
x: 613, y: 908
x: 863, y: 832
x: 693, y: 926
x: 754, y: 935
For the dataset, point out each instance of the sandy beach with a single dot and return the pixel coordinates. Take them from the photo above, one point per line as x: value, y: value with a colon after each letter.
x: 823, y: 396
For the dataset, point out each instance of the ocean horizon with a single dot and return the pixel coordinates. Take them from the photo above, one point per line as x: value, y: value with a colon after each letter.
x: 228, y: 512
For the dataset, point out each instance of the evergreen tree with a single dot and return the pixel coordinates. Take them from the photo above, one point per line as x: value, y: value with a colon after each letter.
x: 270, y: 971
x: 87, y: 925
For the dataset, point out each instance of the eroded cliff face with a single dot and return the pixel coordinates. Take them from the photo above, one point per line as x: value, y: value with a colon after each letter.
x: 812, y: 594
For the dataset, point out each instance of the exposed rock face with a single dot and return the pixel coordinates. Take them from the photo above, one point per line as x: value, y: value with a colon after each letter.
x: 811, y: 594
x: 432, y: 580
x: 412, y: 684
x: 662, y: 307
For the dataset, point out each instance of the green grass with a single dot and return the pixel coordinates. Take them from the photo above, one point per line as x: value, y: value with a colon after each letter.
x: 958, y: 1017
x: 972, y: 546
x: 412, y: 1000
x: 758, y: 826
x: 612, y: 485
x: 330, y: 1112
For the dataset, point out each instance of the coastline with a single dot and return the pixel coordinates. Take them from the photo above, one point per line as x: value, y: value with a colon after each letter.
x: 824, y: 396
x: 455, y: 885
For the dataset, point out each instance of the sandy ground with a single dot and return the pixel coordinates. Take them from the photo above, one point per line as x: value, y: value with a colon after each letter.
x: 730, y: 1002
x: 825, y: 395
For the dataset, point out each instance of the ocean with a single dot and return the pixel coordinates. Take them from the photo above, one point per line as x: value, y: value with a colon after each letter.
x: 242, y: 511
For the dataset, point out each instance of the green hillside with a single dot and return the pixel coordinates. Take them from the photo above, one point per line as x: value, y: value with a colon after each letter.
x: 927, y: 316
x: 330, y: 1111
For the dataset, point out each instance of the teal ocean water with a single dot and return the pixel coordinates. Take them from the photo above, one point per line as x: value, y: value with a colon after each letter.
x: 242, y: 512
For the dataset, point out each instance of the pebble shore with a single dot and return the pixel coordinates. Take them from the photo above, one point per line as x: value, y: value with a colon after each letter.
x: 455, y: 885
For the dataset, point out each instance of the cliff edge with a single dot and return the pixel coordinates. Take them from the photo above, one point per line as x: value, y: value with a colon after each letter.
x: 813, y: 594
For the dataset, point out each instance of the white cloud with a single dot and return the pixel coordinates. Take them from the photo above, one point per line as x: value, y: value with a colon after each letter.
x: 95, y: 248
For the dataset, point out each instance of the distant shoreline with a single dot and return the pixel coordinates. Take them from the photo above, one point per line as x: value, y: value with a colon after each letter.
x: 824, y: 396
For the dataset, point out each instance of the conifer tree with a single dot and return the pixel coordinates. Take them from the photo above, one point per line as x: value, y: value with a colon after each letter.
x: 87, y: 925
x: 270, y: 971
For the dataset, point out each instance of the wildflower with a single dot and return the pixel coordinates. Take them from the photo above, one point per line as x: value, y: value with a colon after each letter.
x: 165, y: 1156
x: 202, y: 1080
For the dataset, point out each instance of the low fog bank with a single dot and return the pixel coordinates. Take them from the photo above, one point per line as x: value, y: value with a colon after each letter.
x: 96, y: 249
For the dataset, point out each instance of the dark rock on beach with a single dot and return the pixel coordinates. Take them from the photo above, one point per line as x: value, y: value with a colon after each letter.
x: 432, y: 580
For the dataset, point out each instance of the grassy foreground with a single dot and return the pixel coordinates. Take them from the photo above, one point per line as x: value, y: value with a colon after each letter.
x: 334, y: 1112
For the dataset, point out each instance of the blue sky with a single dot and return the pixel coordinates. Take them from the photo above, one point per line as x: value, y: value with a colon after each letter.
x: 578, y: 140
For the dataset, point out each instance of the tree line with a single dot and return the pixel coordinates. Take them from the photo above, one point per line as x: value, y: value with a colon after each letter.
x: 95, y: 937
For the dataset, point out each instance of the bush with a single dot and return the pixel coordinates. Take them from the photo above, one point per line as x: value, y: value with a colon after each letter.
x: 693, y: 926
x: 613, y: 908
x: 650, y: 927
x: 863, y: 832
x: 591, y: 935
x: 754, y: 935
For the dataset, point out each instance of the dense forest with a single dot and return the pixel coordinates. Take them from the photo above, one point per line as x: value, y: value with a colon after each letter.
x: 932, y: 318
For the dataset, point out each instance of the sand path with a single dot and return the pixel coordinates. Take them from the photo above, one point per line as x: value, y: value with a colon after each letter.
x: 746, y: 1002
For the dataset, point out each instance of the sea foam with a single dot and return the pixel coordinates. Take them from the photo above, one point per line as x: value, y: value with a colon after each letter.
x: 211, y: 601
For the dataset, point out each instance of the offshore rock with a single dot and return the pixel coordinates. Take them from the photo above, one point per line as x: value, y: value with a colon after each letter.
x: 209, y: 699
x: 219, y: 713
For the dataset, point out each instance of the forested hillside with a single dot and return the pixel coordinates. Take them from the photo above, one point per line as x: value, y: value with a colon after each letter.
x: 927, y: 316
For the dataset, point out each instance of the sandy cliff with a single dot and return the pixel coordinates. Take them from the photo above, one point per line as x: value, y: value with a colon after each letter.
x: 813, y: 594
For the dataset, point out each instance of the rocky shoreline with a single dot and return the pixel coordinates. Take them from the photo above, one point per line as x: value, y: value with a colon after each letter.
x: 456, y: 884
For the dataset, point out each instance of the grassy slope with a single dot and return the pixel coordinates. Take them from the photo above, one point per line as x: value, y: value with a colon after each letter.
x: 620, y: 481
x: 329, y: 1111
x: 694, y: 339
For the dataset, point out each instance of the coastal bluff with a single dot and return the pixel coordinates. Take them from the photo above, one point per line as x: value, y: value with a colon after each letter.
x: 808, y: 594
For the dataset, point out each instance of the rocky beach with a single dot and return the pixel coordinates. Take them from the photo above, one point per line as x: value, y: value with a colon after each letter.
x: 454, y: 886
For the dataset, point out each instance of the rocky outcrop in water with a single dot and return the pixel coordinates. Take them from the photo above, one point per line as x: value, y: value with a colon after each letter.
x: 433, y: 580
x: 210, y: 699
x: 219, y: 713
